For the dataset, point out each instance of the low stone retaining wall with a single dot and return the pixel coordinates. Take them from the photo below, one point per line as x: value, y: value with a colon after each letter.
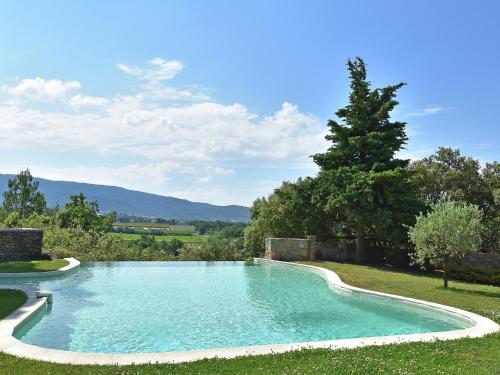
x: 481, y: 267
x: 338, y: 250
x: 20, y: 244
x: 291, y: 248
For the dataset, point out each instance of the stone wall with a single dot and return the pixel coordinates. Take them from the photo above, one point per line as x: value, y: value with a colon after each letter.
x: 20, y: 244
x: 291, y: 248
x: 309, y: 249
x: 338, y: 250
x: 341, y: 250
x: 481, y: 267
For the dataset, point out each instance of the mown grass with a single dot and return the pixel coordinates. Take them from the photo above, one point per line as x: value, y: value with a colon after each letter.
x: 184, y: 239
x: 32, y: 266
x: 465, y: 295
x: 10, y: 299
x: 465, y: 356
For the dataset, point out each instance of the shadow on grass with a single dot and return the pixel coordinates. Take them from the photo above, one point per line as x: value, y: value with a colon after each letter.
x: 473, y: 292
x: 390, y: 268
x: 434, y: 274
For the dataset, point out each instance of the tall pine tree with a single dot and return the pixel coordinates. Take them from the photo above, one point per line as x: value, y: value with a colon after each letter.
x: 362, y: 182
x: 23, y: 196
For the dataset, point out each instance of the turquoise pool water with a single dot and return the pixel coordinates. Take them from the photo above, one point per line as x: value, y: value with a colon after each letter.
x: 137, y: 307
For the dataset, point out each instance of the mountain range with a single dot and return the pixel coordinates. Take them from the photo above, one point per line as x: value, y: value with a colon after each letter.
x: 131, y: 202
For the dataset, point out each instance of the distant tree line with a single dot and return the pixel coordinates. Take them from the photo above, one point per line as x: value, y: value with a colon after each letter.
x: 79, y: 229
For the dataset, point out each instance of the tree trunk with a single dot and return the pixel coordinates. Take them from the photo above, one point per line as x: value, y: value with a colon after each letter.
x: 445, y: 274
x: 360, y: 247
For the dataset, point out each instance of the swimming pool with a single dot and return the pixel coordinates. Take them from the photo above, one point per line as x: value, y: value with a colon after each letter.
x: 148, y: 307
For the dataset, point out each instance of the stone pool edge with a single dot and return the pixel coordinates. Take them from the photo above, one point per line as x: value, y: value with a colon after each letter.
x: 10, y: 345
x: 73, y: 264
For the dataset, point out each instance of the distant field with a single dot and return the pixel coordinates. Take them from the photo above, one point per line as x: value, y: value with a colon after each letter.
x: 173, y: 228
x: 184, y: 239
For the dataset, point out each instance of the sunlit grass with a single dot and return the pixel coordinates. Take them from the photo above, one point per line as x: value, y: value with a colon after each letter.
x: 32, y: 266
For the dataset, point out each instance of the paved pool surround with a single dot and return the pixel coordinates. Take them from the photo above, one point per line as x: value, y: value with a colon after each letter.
x: 10, y: 345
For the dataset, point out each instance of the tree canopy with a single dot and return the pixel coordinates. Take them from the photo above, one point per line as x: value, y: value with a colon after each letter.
x: 449, y: 175
x: 78, y: 212
x: 23, y: 196
x: 365, y: 139
x: 360, y: 178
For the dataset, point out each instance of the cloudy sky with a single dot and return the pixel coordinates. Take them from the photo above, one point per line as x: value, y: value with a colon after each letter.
x: 221, y: 101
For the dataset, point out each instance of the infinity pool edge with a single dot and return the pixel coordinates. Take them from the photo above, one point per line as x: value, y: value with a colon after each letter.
x: 11, y: 345
x: 72, y: 265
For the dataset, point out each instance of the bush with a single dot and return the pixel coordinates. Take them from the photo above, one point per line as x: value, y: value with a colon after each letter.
x: 213, y: 249
x: 96, y: 245
x: 477, y: 274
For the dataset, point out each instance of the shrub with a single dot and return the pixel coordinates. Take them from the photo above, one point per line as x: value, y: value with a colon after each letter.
x: 450, y: 231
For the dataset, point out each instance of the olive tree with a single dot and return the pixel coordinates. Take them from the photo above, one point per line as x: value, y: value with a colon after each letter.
x: 450, y: 231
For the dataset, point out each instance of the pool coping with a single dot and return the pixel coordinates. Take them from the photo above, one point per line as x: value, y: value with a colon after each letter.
x: 73, y: 263
x: 10, y: 345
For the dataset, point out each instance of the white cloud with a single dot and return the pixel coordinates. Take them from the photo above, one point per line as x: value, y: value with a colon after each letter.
x: 158, y: 70
x: 415, y: 154
x: 212, y: 172
x: 41, y: 89
x: 158, y: 92
x: 428, y: 110
x: 78, y: 101
x: 201, y: 139
x: 201, y: 132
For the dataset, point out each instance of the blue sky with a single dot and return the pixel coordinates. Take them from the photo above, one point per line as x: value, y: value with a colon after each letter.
x: 220, y: 101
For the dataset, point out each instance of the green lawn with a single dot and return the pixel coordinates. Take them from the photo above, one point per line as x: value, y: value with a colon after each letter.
x: 465, y: 356
x: 32, y: 266
x: 10, y: 300
x: 184, y: 239
x: 482, y: 299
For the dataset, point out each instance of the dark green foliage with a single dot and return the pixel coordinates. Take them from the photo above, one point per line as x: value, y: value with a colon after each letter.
x: 362, y: 189
x: 478, y: 274
x: 363, y: 185
x: 23, y: 196
x: 149, y: 242
x: 215, y: 248
x: 370, y: 204
x: 365, y: 139
x: 292, y: 210
x: 81, y: 213
x: 449, y: 175
x: 233, y: 229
